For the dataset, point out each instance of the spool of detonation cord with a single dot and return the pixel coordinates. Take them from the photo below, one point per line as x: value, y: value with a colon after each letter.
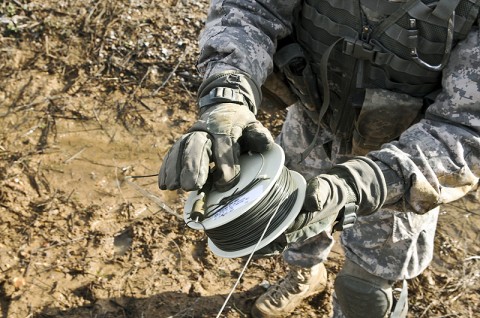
x: 267, y: 195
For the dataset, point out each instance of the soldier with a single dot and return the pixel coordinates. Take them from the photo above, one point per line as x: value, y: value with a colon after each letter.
x: 386, y: 129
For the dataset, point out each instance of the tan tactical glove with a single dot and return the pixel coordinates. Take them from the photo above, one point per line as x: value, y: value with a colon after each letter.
x: 226, y: 128
x: 356, y: 187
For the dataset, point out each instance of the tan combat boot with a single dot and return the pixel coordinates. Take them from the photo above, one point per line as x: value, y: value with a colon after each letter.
x: 282, y: 298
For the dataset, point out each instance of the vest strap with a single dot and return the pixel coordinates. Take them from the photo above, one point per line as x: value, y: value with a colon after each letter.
x: 364, y: 51
x: 445, y: 8
x: 416, y: 90
x: 326, y: 98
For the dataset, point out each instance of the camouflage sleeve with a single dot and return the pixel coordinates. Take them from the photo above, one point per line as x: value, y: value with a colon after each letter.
x: 438, y: 159
x: 242, y: 35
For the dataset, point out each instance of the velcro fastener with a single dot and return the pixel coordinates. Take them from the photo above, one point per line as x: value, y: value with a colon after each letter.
x: 222, y: 95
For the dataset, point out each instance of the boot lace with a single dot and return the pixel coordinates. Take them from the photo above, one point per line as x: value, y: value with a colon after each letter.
x: 286, y: 286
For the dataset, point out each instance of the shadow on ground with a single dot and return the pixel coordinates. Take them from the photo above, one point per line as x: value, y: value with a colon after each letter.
x: 168, y: 304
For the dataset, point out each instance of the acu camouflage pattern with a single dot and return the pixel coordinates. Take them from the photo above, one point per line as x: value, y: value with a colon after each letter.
x: 439, y: 157
x: 242, y: 35
x: 388, y: 243
x: 434, y: 161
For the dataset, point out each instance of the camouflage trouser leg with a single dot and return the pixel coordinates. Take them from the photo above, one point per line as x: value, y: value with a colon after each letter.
x: 390, y: 244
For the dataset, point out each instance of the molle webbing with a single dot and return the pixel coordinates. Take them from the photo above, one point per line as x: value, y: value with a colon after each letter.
x: 323, y: 22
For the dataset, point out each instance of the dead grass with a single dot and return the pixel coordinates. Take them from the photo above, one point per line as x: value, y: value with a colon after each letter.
x: 92, y: 92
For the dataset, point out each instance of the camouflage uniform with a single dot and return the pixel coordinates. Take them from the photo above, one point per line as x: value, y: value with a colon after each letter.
x: 437, y: 159
x: 388, y: 243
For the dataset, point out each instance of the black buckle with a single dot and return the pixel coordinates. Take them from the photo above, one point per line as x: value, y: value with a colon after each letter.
x: 347, y: 217
x: 358, y: 49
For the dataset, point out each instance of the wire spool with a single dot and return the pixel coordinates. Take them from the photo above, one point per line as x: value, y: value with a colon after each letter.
x: 267, y: 194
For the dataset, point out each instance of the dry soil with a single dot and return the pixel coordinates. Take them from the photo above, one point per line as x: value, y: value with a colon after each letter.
x: 94, y: 92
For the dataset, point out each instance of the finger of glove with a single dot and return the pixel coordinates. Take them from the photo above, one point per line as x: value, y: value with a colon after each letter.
x: 326, y: 192
x: 226, y: 124
x: 226, y: 154
x: 256, y: 138
x: 186, y: 165
x: 316, y: 194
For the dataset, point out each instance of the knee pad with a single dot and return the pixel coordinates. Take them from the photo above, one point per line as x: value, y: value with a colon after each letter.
x: 361, y: 294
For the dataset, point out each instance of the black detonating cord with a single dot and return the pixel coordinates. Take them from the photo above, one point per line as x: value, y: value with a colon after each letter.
x: 246, y: 230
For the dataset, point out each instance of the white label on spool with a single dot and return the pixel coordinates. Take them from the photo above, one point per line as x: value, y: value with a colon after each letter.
x: 240, y: 202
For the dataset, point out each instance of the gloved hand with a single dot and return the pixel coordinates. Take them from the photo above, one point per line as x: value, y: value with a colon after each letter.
x: 227, y: 127
x: 356, y: 187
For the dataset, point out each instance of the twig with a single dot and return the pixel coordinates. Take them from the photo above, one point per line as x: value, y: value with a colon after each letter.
x: 142, y: 103
x: 50, y: 288
x: 61, y: 243
x: 180, y: 60
x: 101, y: 125
x: 17, y: 98
x: 186, y: 89
x: 238, y: 309
x: 96, y: 163
x: 48, y: 124
x: 44, y: 100
x: 117, y: 183
x: 153, y: 197
x: 75, y: 155
x: 179, y: 253
x: 132, y: 96
x: 69, y: 195
x: 140, y: 83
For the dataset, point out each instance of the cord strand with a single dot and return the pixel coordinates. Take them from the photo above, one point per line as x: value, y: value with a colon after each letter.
x: 245, y: 230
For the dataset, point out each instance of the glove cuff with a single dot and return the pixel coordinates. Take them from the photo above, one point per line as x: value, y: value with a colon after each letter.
x: 230, y: 87
x: 395, y: 184
x: 366, y: 179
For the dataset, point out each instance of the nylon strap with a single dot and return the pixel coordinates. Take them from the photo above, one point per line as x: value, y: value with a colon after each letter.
x: 401, y: 307
x: 347, y: 5
x: 333, y: 28
x: 364, y: 51
x: 402, y: 35
x: 326, y: 97
x: 423, y: 12
x: 441, y: 13
x: 394, y: 17
x: 445, y: 8
x: 222, y: 95
x: 358, y: 49
x: 348, y: 217
x: 377, y: 73
x: 384, y: 7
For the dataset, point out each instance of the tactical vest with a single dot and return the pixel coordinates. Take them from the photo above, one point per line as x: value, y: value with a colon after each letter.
x: 344, y: 54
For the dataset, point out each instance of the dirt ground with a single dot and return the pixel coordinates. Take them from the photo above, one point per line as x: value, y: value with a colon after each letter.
x: 94, y: 92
